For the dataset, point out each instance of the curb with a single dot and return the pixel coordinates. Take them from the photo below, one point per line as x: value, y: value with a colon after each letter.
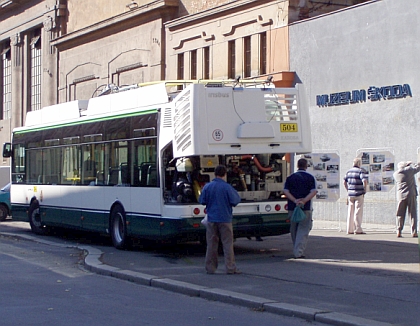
x: 92, y: 263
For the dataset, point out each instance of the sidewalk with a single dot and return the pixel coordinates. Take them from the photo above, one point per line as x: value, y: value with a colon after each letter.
x: 345, y: 280
x: 370, y: 279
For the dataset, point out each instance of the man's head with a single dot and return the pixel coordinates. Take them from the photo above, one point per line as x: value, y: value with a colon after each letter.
x: 302, y: 164
x: 357, y: 162
x: 220, y: 171
x: 403, y: 164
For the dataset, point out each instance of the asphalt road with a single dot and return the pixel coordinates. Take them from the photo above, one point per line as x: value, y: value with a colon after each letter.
x: 362, y: 278
x: 44, y: 284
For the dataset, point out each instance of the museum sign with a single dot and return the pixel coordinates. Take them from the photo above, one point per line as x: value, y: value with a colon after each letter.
x: 373, y: 93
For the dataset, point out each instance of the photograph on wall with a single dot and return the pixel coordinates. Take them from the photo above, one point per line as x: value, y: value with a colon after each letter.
x: 325, y: 167
x: 379, y: 166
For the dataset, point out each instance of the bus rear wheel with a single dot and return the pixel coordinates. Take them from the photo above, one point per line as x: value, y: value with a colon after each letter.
x: 118, y: 228
x: 35, y: 220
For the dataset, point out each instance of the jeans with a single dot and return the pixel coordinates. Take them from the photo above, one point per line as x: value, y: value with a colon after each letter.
x: 300, y: 233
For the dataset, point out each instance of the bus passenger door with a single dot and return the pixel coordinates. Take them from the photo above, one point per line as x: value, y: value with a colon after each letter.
x: 145, y: 193
x: 94, y: 212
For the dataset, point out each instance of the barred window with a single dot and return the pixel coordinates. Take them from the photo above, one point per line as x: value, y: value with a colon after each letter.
x: 206, y: 62
x: 6, y: 89
x: 231, y: 59
x: 180, y: 71
x: 263, y: 53
x: 180, y: 66
x: 247, y: 56
x: 194, y: 64
x: 35, y: 71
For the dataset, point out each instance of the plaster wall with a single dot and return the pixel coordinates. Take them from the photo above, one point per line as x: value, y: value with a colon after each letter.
x: 373, y: 44
x: 84, y: 13
x: 24, y: 17
x: 215, y: 31
x: 103, y: 57
x: 193, y: 6
x: 16, y: 27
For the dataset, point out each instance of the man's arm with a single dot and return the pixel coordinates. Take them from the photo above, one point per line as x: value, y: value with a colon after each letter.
x: 345, y: 185
x: 202, y: 199
x: 298, y: 201
x: 309, y: 196
x: 289, y: 195
x: 365, y: 184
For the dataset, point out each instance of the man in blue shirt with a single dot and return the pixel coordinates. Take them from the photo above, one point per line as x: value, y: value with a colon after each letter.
x: 355, y: 182
x: 300, y: 188
x: 219, y: 198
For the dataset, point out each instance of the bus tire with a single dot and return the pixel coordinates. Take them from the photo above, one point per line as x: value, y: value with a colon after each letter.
x: 118, y: 228
x: 3, y: 212
x: 35, y: 220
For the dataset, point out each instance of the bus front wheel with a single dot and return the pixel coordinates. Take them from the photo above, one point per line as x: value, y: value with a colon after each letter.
x: 3, y: 212
x: 35, y: 219
x: 119, y: 234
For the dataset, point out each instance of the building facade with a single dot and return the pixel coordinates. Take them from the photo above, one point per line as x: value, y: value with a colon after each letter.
x: 53, y: 51
x: 370, y: 48
x: 28, y: 65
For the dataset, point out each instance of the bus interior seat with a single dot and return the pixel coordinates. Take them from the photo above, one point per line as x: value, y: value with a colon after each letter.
x: 152, y: 176
x: 123, y: 177
x: 113, y: 176
x: 136, y: 176
x: 100, y: 178
x: 89, y: 171
x: 148, y: 173
x: 52, y: 180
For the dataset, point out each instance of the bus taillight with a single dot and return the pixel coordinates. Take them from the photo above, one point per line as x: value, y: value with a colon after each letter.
x: 196, y: 211
x: 277, y: 207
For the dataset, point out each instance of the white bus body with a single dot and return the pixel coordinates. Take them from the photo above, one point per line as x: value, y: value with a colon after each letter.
x: 132, y: 163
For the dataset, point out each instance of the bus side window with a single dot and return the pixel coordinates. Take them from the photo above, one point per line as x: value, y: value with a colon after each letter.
x: 124, y: 180
x: 148, y: 174
x: 152, y: 176
x: 113, y: 176
x: 89, y: 171
x: 136, y: 176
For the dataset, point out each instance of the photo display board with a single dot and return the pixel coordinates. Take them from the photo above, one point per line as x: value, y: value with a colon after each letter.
x: 380, y: 165
x: 325, y: 167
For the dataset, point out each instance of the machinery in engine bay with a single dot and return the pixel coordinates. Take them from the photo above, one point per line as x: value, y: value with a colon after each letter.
x: 255, y: 177
x: 257, y: 123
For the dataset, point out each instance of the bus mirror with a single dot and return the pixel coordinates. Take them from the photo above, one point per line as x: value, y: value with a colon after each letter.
x: 7, y: 149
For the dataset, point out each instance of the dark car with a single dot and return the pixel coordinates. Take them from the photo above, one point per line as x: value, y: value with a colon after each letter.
x: 325, y: 158
x: 5, y: 208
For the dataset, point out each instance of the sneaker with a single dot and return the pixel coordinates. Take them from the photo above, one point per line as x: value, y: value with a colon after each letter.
x: 399, y: 234
x: 415, y: 235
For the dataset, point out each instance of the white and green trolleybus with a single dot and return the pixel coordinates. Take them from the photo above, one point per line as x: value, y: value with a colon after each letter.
x: 132, y: 163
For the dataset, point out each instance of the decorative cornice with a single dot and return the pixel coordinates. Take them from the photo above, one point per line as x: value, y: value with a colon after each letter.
x: 49, y: 23
x: 259, y: 20
x: 15, y: 39
x: 114, y: 21
x: 220, y: 10
x: 203, y: 35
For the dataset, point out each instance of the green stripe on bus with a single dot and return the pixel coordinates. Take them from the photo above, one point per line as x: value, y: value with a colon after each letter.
x: 74, y: 123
